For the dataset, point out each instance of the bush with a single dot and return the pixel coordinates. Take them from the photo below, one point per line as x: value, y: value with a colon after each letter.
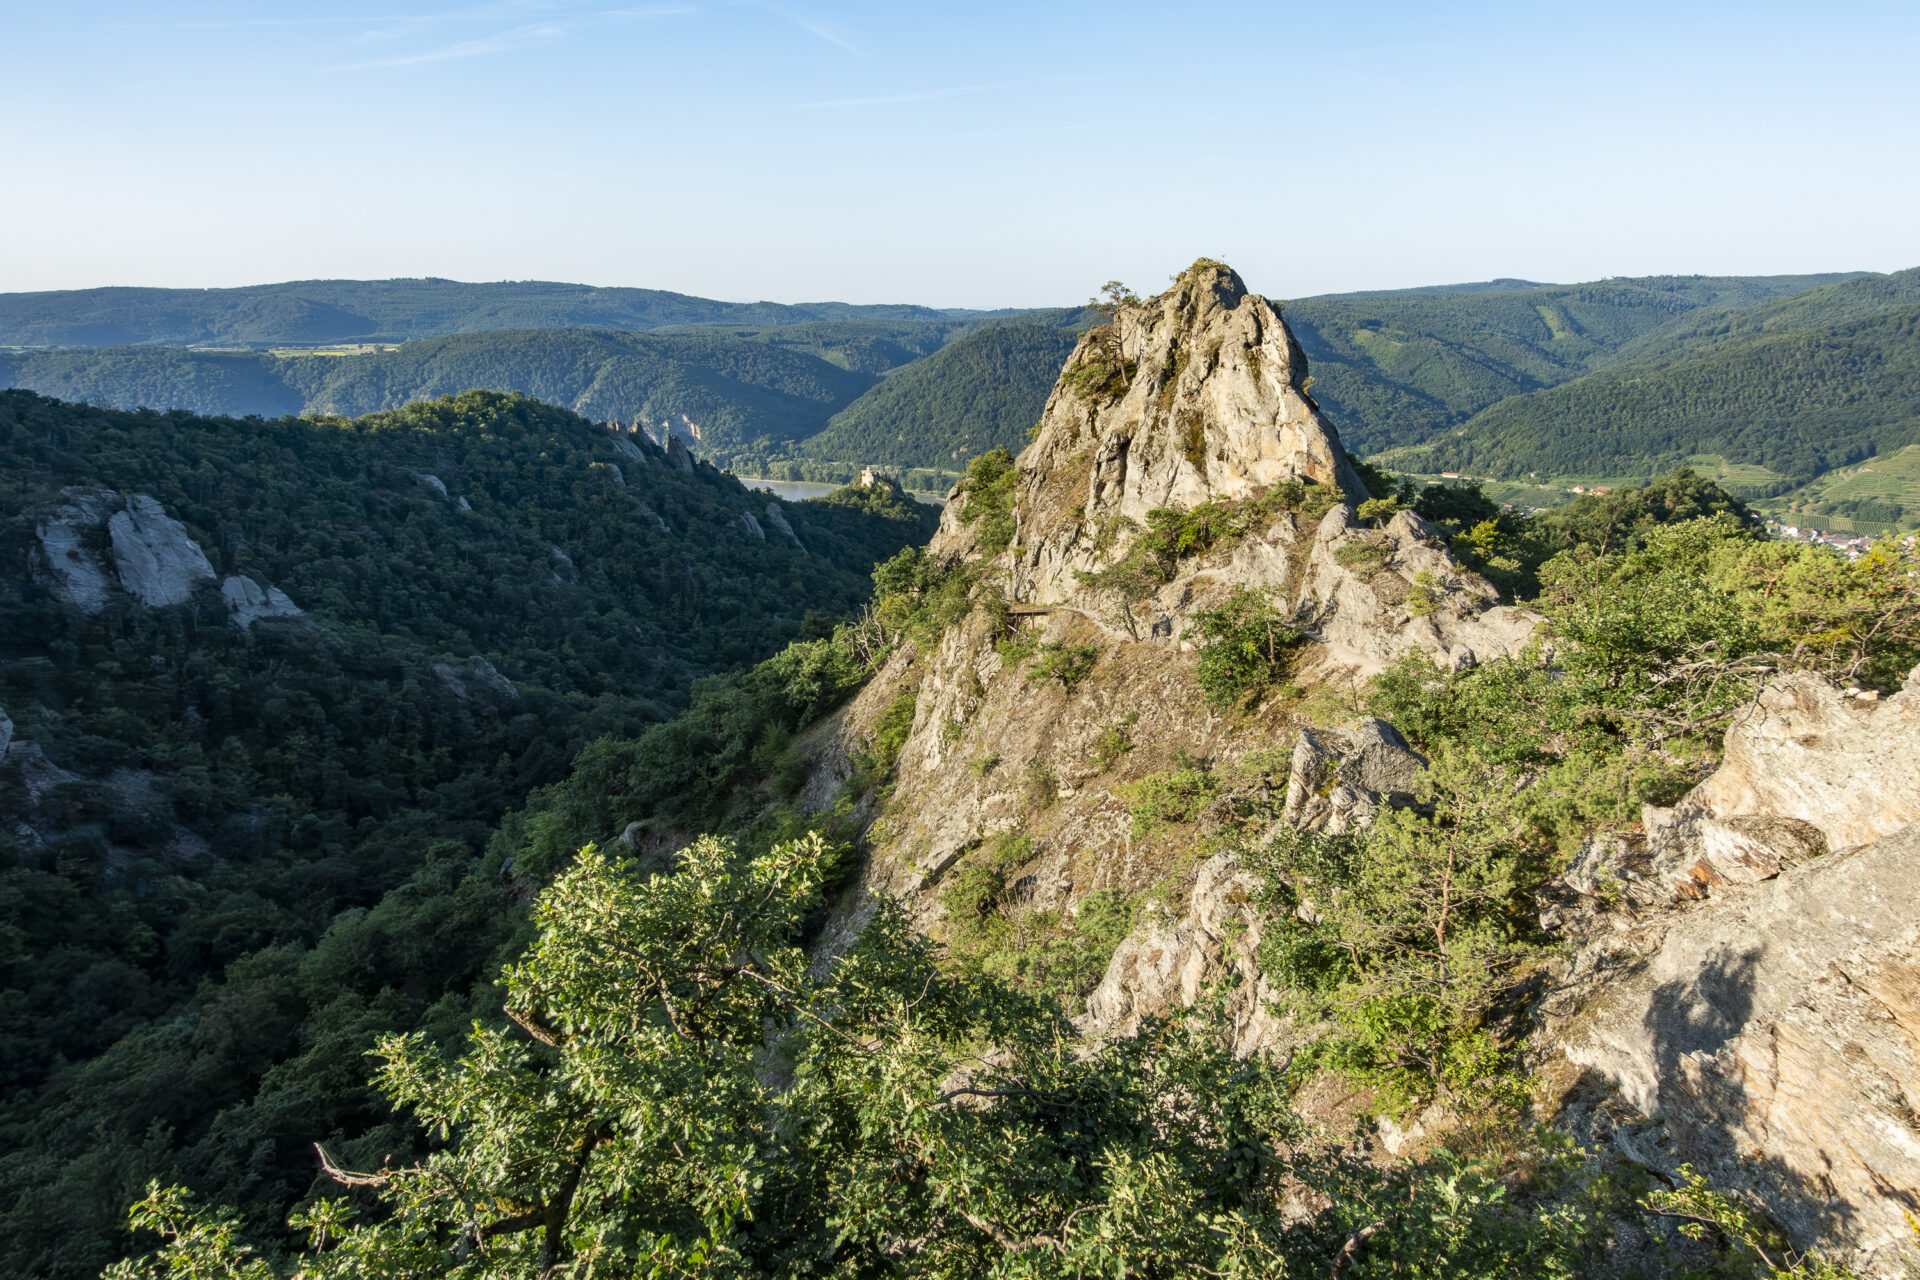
x: 1163, y: 799
x: 1067, y: 663
x: 1246, y: 646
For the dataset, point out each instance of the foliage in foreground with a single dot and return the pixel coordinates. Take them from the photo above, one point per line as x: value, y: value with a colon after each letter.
x: 693, y: 1098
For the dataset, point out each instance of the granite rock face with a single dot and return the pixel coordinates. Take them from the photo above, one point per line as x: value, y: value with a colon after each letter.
x: 1807, y: 769
x: 97, y: 540
x: 1777, y: 1031
x: 1200, y: 395
x: 1169, y: 964
x: 67, y: 554
x: 247, y: 602
x: 678, y: 455
x: 778, y: 519
x: 1755, y: 979
x: 1341, y: 777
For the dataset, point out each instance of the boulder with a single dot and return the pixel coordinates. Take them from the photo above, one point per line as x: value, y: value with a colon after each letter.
x: 1341, y: 777
x: 247, y: 602
x: 752, y: 526
x: 158, y: 563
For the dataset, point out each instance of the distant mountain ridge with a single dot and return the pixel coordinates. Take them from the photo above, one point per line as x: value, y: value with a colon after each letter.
x: 1503, y: 377
x: 321, y: 311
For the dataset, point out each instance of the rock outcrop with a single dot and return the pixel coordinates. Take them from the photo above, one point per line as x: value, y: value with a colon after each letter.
x: 1341, y: 777
x: 6, y: 733
x: 752, y: 526
x: 1168, y: 964
x: 67, y: 555
x: 778, y: 519
x: 678, y: 455
x: 1807, y: 769
x: 144, y: 551
x: 1757, y: 983
x: 1777, y: 1032
x: 1200, y: 396
x: 247, y: 602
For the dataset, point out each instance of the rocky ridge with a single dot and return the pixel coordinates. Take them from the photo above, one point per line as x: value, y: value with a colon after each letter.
x: 97, y: 541
x: 1746, y: 973
x: 1203, y: 400
x: 1201, y: 396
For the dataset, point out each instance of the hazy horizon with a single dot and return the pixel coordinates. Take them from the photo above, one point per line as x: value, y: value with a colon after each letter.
x: 998, y: 156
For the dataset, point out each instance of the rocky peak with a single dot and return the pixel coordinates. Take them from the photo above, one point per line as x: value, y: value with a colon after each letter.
x: 1199, y: 396
x: 1196, y: 394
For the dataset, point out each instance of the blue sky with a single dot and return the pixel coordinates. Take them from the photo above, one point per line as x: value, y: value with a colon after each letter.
x: 986, y: 154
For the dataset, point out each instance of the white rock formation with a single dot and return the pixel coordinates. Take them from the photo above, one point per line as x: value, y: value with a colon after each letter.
x: 67, y: 557
x: 434, y: 483
x: 627, y: 449
x: 1778, y: 1032
x: 778, y: 519
x: 247, y: 603
x: 1167, y: 965
x: 6, y: 733
x: 158, y: 563
x: 1199, y: 395
x: 1806, y: 770
x: 752, y: 526
x: 1775, y: 1025
x: 1341, y: 777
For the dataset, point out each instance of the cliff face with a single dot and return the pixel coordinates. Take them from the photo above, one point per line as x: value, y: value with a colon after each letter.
x: 1748, y: 971
x: 1198, y: 396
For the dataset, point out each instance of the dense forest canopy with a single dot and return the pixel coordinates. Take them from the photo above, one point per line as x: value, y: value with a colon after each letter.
x: 1796, y: 402
x: 722, y: 389
x: 228, y: 854
x: 979, y: 393
x: 1396, y: 368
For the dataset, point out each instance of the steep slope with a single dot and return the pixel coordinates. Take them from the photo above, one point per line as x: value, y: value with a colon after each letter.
x: 1034, y: 714
x: 315, y: 311
x: 1797, y: 402
x: 981, y: 392
x: 1394, y: 368
x: 265, y: 690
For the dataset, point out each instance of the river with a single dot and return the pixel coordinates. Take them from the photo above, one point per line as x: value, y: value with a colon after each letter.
x: 801, y: 490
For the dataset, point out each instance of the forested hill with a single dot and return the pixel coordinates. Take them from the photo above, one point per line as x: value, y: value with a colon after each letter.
x: 827, y: 389
x: 722, y: 388
x: 258, y: 679
x: 321, y: 311
x: 978, y: 393
x: 1397, y: 368
x: 1789, y: 391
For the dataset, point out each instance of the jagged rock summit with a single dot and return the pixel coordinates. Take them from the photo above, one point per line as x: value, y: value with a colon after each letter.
x: 1199, y: 398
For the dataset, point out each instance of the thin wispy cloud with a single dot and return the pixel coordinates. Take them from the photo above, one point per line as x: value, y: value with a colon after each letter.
x: 894, y: 99
x: 513, y: 38
x: 500, y: 42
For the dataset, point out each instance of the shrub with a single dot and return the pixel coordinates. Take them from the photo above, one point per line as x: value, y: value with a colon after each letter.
x: 989, y: 485
x: 1067, y: 663
x: 895, y: 725
x: 1246, y: 647
x: 1162, y: 799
